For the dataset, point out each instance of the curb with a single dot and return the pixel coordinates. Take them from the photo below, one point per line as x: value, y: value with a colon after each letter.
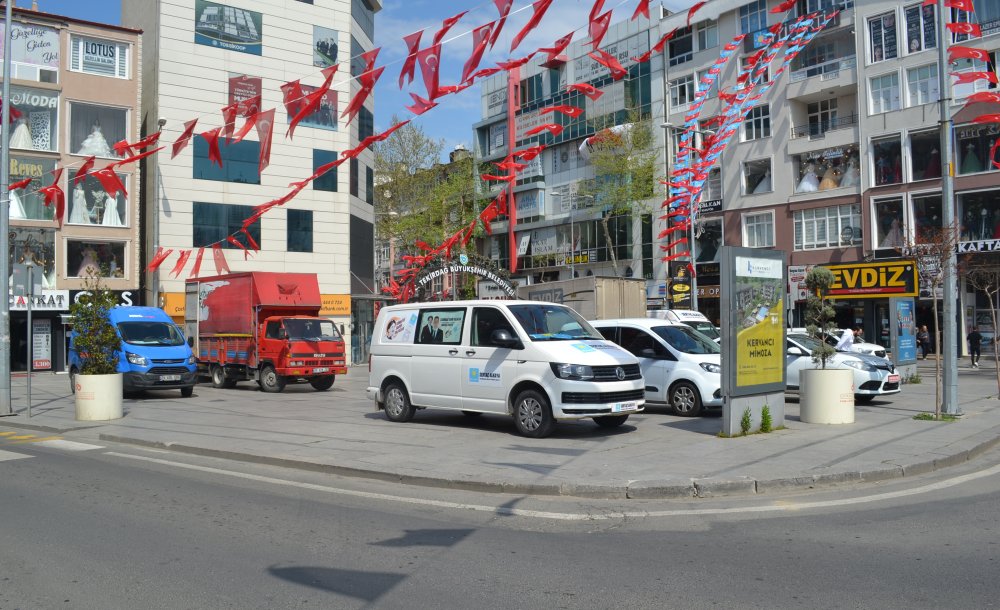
x: 13, y: 423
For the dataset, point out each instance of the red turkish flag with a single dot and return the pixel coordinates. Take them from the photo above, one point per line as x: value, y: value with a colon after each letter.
x: 449, y: 89
x: 964, y: 78
x: 229, y: 114
x: 962, y: 5
x: 421, y: 105
x: 589, y: 90
x: 480, y: 38
x: 158, y: 258
x: 109, y: 181
x: 557, y: 47
x: 181, y: 261
x: 55, y: 195
x: 552, y: 128
x: 20, y: 184
x: 212, y: 137
x: 221, y: 266
x: 446, y: 25
x: 503, y: 6
x: 694, y: 8
x: 292, y: 97
x: 136, y: 157
x: 570, y: 111
x: 149, y: 140
x: 430, y: 67
x: 412, y: 45
x: 485, y: 72
x: 312, y: 102
x: 972, y: 29
x: 369, y: 75
x: 354, y: 107
x: 983, y: 97
x: 184, y: 138
x: 960, y: 52
x: 657, y: 48
x: 595, y: 9
x: 598, y: 28
x: 515, y: 63
x: 539, y: 7
x: 529, y: 153
x: 84, y: 169
x: 608, y: 61
x: 987, y: 118
x: 122, y: 148
x: 197, y: 263
x: 265, y: 130
x: 787, y: 6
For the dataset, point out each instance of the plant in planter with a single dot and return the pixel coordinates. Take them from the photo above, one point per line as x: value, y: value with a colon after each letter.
x: 826, y: 396
x: 96, y: 344
x: 819, y: 312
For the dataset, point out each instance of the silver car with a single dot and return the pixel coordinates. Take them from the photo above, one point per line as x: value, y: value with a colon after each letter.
x: 873, y: 376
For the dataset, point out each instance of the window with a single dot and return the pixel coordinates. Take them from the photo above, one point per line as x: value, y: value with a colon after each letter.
x: 369, y: 186
x: 37, y: 126
x: 822, y: 116
x: 89, y: 204
x: 832, y: 227
x: 28, y: 203
x: 823, y: 170
x: 681, y: 91
x: 680, y: 48
x: 101, y: 57
x: 641, y: 344
x: 328, y: 181
x: 708, y: 35
x: 34, y: 52
x: 708, y: 240
x: 974, y: 144
x: 963, y: 90
x: 890, y: 228
x: 887, y: 157
x: 753, y: 17
x: 362, y: 251
x: 94, y: 129
x: 441, y: 326
x: 758, y: 230
x: 701, y: 85
x: 925, y: 158
x: 882, y: 37
x: 921, y: 32
x: 240, y: 162
x: 357, y: 62
x: 101, y: 258
x: 884, y: 91
x: 485, y: 320
x: 300, y: 230
x: 212, y: 223
x: 366, y: 123
x: 757, y: 123
x: 531, y: 90
x: 922, y: 85
x: 757, y: 177
x: 713, y: 185
x: 364, y: 16
x: 762, y: 77
x: 812, y: 6
x: 355, y: 170
x: 980, y: 214
x: 927, y: 217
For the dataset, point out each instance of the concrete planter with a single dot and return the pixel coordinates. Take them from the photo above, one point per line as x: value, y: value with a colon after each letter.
x: 98, y: 397
x: 826, y: 396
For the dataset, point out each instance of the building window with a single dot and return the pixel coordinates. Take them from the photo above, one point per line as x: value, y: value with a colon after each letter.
x: 94, y: 129
x: 354, y: 178
x: 681, y: 91
x: 922, y: 85
x: 240, y: 162
x: 357, y: 62
x: 300, y: 230
x: 963, y: 90
x: 974, y: 142
x: 101, y: 258
x: 884, y: 91
x: 882, y: 37
x: 701, y: 85
x: 925, y: 158
x: 757, y: 177
x: 212, y: 223
x: 89, y: 204
x: 101, y: 57
x: 713, y: 185
x: 890, y: 230
x: 762, y: 77
x: 37, y: 126
x: 887, y: 159
x: 758, y: 230
x: 980, y: 214
x: 814, y: 6
x: 35, y: 52
x: 822, y: 116
x: 680, y: 48
x: 757, y: 123
x: 708, y: 35
x: 832, y: 227
x: 708, y: 239
x: 827, y: 169
x: 753, y: 17
x: 927, y: 217
x: 366, y: 123
x: 328, y: 181
x: 531, y: 90
x: 28, y: 203
x: 921, y: 28
x: 369, y: 185
x: 364, y: 16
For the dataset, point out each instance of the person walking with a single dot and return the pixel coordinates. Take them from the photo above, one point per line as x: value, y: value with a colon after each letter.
x: 846, y: 342
x: 975, y: 342
x: 924, y: 341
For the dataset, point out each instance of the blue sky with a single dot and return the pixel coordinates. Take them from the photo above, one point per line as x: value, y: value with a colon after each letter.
x: 452, y: 120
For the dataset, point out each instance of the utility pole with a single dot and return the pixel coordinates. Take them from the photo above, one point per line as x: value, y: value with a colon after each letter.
x: 6, y: 408
x: 950, y: 279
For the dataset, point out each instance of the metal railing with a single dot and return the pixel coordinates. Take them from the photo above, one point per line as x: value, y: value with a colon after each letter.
x: 827, y: 69
x: 819, y: 128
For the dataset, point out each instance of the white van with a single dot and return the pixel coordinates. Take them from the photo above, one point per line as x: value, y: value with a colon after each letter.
x: 681, y: 367
x: 539, y: 362
x: 694, y: 319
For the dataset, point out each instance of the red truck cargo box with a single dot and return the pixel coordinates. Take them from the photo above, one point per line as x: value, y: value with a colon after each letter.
x: 228, y: 303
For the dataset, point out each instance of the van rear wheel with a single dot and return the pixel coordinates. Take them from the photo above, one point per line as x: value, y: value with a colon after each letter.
x: 685, y: 400
x: 533, y: 415
x: 397, y: 403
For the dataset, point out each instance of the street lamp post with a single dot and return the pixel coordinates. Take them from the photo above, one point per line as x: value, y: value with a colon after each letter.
x: 950, y: 348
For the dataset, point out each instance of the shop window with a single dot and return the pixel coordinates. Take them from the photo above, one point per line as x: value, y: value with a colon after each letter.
x: 753, y: 17
x: 980, y: 215
x: 922, y: 85
x: 240, y: 162
x: 214, y: 222
x: 974, y: 144
x: 758, y: 230
x: 300, y: 230
x: 757, y: 124
x: 921, y: 28
x: 100, y: 258
x: 328, y: 181
x: 93, y: 130
x: 757, y: 177
x: 708, y: 35
x: 882, y: 37
x: 680, y: 48
x: 890, y: 230
x: 38, y: 245
x: 884, y: 93
x: 369, y: 185
x: 927, y: 217
x: 887, y: 160
x: 34, y: 52
x: 681, y: 91
x: 28, y: 203
x: 708, y: 240
x: 924, y: 155
x: 37, y: 127
x: 101, y: 57
x: 827, y: 169
x: 89, y: 204
x: 832, y: 227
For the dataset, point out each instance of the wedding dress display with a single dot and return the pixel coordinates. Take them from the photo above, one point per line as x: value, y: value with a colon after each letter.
x: 111, y: 217
x: 851, y: 175
x: 79, y: 213
x: 894, y: 237
x: 89, y: 264
x: 971, y: 163
x: 809, y: 182
x: 21, y: 137
x: 16, y: 207
x: 933, y: 169
x: 830, y: 180
x: 95, y: 144
x: 764, y: 186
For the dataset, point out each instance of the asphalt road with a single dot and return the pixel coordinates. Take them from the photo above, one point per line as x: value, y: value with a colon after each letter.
x: 122, y: 527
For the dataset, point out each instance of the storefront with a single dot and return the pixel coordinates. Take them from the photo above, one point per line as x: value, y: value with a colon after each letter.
x: 48, y: 337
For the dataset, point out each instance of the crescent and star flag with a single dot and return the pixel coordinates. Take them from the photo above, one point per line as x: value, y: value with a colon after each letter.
x: 694, y: 8
x: 972, y: 29
x: 964, y: 78
x: 641, y: 9
x: 84, y: 169
x: 412, y: 46
x: 539, y: 7
x: 212, y: 137
x: 184, y: 138
x: 557, y: 47
x: 158, y: 258
x: 197, y: 263
x: 960, y: 52
x: 420, y: 105
x: 181, y: 261
x: 430, y: 66
x: 446, y: 25
x: 503, y: 6
x: 292, y: 97
x: 480, y: 38
x: 598, y: 28
x: 265, y: 131
x: 608, y: 61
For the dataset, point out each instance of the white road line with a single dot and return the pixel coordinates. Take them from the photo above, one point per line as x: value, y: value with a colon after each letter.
x: 503, y: 510
x: 66, y: 445
x: 6, y: 456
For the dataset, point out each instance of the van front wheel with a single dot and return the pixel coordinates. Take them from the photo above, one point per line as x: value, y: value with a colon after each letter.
x: 397, y: 403
x: 533, y: 415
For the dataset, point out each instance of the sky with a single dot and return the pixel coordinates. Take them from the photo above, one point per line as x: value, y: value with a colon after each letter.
x: 452, y: 120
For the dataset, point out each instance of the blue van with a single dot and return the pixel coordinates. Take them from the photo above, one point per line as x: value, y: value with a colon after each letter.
x: 153, y: 355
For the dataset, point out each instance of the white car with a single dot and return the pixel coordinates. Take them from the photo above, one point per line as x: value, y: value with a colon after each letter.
x: 871, y: 349
x: 873, y: 376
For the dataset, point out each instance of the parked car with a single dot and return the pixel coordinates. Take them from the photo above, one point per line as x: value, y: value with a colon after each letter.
x: 873, y: 376
x: 694, y: 319
x: 861, y: 347
x: 681, y: 366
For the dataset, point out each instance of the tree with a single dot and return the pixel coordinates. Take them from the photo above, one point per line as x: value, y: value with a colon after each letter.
x: 624, y: 161
x: 982, y: 272
x: 819, y: 312
x: 94, y: 338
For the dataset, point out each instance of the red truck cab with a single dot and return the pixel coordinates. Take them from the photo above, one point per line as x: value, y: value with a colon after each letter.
x: 301, y: 347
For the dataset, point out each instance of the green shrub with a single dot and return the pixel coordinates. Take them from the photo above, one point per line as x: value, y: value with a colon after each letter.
x: 746, y: 421
x: 819, y: 312
x: 95, y: 339
x: 765, y: 419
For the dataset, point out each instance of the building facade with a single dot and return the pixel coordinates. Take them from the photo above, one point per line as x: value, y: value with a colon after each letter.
x: 201, y: 56
x: 75, y: 89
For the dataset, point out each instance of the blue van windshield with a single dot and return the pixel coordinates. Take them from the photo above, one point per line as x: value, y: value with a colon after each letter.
x: 150, y: 333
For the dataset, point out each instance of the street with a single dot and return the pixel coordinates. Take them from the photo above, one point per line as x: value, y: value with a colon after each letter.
x: 117, y: 526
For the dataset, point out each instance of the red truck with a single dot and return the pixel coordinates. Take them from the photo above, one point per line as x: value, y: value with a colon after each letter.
x: 263, y: 327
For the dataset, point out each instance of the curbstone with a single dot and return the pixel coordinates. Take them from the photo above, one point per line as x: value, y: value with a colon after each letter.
x: 708, y: 488
x: 786, y: 484
x: 594, y: 492
x: 659, y: 490
x: 890, y: 471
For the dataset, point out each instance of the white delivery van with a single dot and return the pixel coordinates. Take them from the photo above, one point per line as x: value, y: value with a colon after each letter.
x: 539, y: 362
x: 694, y: 319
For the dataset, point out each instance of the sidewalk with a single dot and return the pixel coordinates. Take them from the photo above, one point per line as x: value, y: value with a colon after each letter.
x: 654, y: 455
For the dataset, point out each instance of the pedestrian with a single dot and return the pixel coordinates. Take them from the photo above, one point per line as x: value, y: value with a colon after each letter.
x: 924, y: 341
x: 859, y: 335
x: 975, y: 342
x: 846, y: 342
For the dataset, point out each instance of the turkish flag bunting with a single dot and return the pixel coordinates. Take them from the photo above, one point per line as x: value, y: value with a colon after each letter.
x: 539, y: 7
x: 184, y: 138
x: 509, y: 165
x: 429, y: 60
x: 248, y: 124
x: 529, y: 153
x: 182, y: 260
x: 480, y: 38
x: 197, y: 263
x: 657, y: 48
x: 265, y: 131
x: 495, y: 178
x: 694, y: 8
x: 420, y: 105
x: 449, y: 89
x: 598, y: 28
x: 515, y: 63
x: 212, y: 137
x: 503, y: 6
x: 608, y: 61
x: 229, y: 114
x: 972, y: 29
x: 136, y: 157
x: 149, y: 140
x: 20, y: 184
x: 962, y: 5
x: 485, y: 72
x: 557, y: 47
x: 232, y: 239
x: 292, y: 97
x: 987, y: 118
x: 250, y: 240
x: 570, y: 111
x: 122, y: 148
x: 552, y: 128
x: 84, y: 170
x: 354, y: 107
x: 250, y: 106
x: 501, y: 202
x: 468, y: 233
x: 110, y: 181
x: 446, y: 25
x: 158, y: 258
x: 221, y: 266
x: 641, y: 9
x: 55, y: 195
x: 312, y: 102
x: 380, y: 136
x: 964, y: 78
x: 412, y: 45
x: 960, y: 52
x: 368, y: 76
x: 983, y: 97
x: 993, y: 153
x: 785, y: 6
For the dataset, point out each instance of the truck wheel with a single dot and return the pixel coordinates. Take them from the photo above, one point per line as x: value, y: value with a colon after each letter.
x: 270, y: 380
x: 533, y: 415
x: 187, y: 392
x: 218, y: 376
x: 610, y: 421
x: 72, y: 380
x: 685, y: 400
x: 322, y: 384
x: 397, y: 403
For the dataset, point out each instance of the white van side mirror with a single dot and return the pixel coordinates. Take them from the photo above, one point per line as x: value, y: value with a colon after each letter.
x: 502, y: 338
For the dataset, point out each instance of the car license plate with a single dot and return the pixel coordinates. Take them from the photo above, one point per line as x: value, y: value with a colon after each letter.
x: 893, y: 379
x: 321, y: 369
x: 170, y: 377
x: 624, y: 406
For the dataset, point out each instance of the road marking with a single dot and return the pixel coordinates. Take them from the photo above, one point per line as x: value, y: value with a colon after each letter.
x: 34, y: 440
x: 9, y: 455
x: 782, y: 506
x: 7, y: 433
x: 20, y: 437
x: 58, y: 443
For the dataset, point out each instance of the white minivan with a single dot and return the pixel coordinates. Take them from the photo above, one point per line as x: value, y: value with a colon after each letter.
x: 694, y: 319
x: 681, y: 366
x: 539, y: 362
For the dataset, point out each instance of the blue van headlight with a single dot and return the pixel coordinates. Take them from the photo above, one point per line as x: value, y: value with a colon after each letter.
x: 191, y: 359
x: 579, y: 372
x: 136, y: 359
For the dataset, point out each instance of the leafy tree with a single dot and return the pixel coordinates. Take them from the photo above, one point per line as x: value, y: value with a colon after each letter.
x: 819, y: 312
x: 95, y: 339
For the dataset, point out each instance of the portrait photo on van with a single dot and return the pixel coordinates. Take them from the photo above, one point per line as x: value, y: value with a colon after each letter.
x: 440, y: 326
x: 399, y: 327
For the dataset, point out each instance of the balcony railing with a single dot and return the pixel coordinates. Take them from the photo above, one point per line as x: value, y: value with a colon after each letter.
x: 827, y: 69
x: 819, y: 128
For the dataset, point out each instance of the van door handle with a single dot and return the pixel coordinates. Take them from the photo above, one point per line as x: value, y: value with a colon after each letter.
x: 453, y: 351
x: 470, y: 352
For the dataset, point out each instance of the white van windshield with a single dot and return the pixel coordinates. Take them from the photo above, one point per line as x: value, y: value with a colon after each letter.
x: 150, y: 333
x: 684, y: 339
x: 552, y: 323
x: 705, y: 328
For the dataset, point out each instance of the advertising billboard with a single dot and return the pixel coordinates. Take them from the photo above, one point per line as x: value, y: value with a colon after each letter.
x: 227, y: 27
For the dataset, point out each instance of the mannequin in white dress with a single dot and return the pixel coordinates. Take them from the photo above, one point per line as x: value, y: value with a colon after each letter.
x: 764, y: 186
x: 89, y: 264
x: 79, y: 214
x: 809, y: 182
x: 16, y: 207
x: 851, y: 175
x: 95, y: 144
x: 21, y: 137
x: 111, y: 218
